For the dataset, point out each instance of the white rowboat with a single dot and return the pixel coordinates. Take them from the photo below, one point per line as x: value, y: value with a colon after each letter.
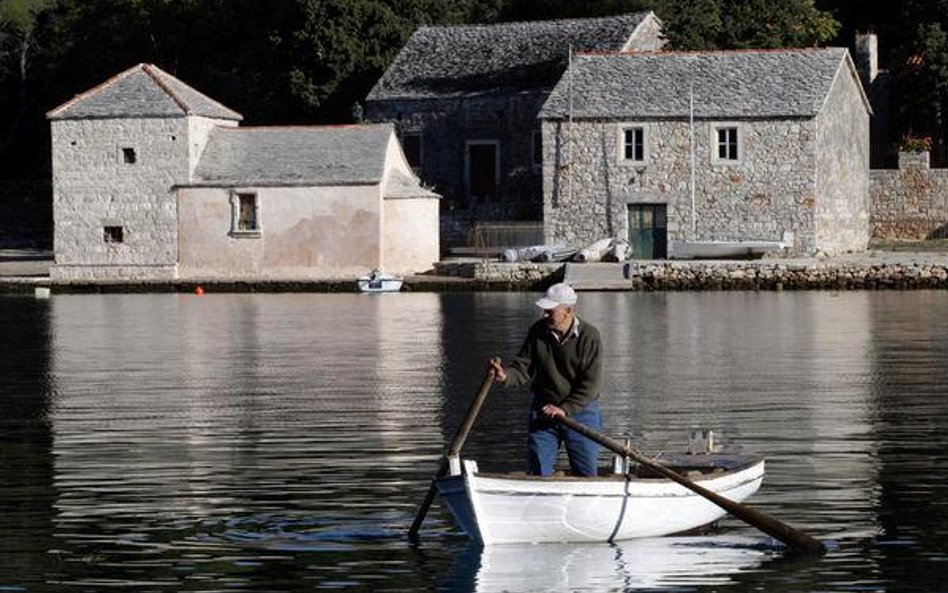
x: 518, y: 508
x: 378, y: 282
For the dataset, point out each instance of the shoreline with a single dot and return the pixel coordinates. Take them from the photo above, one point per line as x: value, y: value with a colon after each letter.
x: 23, y: 271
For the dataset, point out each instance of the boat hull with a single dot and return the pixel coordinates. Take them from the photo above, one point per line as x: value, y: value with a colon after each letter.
x: 382, y: 284
x: 499, y: 509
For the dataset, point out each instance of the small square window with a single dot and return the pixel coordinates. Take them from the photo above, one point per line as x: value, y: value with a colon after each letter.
x: 129, y: 156
x: 728, y: 148
x: 113, y: 234
x: 633, y: 144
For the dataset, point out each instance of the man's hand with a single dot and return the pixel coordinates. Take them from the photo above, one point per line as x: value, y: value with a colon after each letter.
x: 500, y: 375
x: 552, y: 411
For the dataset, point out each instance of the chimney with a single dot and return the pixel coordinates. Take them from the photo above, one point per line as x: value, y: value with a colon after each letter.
x: 867, y: 57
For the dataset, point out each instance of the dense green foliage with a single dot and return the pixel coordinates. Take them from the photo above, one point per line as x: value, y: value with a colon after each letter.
x: 313, y: 61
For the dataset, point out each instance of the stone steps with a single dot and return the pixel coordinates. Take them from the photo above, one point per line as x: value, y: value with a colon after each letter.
x: 597, y: 276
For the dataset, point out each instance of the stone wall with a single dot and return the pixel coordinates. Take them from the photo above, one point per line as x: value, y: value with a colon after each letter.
x: 842, y: 171
x: 780, y: 275
x: 845, y: 273
x: 771, y: 190
x: 95, y: 185
x: 911, y: 202
x: 446, y: 126
x: 523, y: 274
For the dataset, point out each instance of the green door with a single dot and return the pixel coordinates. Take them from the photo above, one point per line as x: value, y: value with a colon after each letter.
x: 648, y: 231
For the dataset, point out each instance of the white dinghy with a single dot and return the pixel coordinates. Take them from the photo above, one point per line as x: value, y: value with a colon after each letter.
x: 677, y: 494
x: 518, y: 508
x: 379, y: 282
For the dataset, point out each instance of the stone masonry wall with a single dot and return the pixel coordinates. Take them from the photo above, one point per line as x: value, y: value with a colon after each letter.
x: 911, y: 202
x: 94, y: 187
x: 842, y: 209
x: 588, y: 187
x: 445, y: 126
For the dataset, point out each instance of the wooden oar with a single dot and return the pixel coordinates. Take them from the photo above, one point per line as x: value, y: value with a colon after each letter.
x: 797, y: 541
x: 453, y: 451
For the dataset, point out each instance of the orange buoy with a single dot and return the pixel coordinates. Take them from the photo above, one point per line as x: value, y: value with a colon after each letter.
x: 199, y: 291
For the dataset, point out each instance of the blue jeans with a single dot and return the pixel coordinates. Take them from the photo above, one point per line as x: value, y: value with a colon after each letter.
x: 546, y: 436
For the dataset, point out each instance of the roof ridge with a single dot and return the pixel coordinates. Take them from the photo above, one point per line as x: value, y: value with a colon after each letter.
x: 96, y: 89
x: 190, y: 88
x: 311, y: 126
x: 536, y: 22
x: 710, y: 52
x: 148, y: 69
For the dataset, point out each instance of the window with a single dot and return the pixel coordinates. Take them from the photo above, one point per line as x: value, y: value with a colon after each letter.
x: 411, y: 146
x: 112, y: 234
x: 481, y: 170
x: 245, y: 221
x: 247, y: 217
x: 537, y: 148
x: 129, y: 156
x: 633, y: 144
x: 728, y: 147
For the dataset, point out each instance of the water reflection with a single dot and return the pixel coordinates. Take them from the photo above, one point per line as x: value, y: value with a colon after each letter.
x: 283, y: 442
x: 26, y: 488
x: 669, y: 563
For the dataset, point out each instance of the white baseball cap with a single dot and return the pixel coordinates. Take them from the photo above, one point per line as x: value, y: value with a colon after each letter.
x: 558, y: 294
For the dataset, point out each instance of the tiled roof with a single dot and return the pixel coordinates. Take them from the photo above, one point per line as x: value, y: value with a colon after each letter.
x: 142, y: 91
x: 726, y: 84
x: 295, y: 155
x: 477, y: 59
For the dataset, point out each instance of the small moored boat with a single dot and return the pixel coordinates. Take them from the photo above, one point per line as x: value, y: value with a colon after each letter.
x: 379, y: 282
x: 518, y: 508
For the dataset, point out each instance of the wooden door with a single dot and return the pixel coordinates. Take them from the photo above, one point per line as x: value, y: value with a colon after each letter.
x: 648, y: 233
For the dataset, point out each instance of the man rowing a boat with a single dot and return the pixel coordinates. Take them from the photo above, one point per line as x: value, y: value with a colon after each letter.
x: 560, y: 360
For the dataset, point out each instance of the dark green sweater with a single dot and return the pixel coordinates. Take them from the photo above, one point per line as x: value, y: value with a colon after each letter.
x: 566, y: 374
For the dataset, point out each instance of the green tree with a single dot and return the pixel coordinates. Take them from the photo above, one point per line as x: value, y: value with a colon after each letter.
x: 922, y: 83
x: 745, y: 24
x: 20, y: 22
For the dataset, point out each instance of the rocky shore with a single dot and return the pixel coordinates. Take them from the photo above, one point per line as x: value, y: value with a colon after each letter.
x: 789, y: 275
x: 23, y: 273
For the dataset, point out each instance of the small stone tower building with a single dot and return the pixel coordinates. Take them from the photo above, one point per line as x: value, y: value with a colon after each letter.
x: 118, y: 151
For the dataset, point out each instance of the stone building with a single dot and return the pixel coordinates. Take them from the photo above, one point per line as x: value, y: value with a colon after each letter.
x: 464, y: 100
x: 911, y: 202
x: 716, y: 146
x: 152, y: 179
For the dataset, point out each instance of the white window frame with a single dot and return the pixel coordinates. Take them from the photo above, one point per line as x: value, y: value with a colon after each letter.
x: 235, y: 230
x: 623, y: 144
x: 716, y: 129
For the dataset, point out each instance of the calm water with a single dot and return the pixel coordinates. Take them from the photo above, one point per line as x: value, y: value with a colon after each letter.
x: 283, y: 442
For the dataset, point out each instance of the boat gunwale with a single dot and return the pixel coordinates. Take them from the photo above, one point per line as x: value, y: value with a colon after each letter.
x: 716, y: 473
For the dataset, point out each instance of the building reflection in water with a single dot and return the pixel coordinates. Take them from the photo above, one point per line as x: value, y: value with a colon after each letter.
x: 223, y: 406
x: 910, y: 354
x: 26, y: 458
